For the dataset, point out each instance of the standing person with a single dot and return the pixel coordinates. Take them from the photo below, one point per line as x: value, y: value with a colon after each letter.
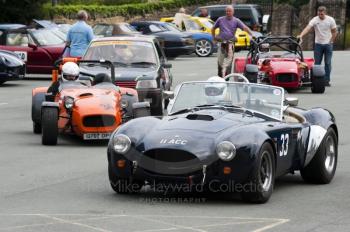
x: 79, y: 35
x: 325, y: 34
x: 228, y: 25
x: 204, y: 13
x: 179, y: 18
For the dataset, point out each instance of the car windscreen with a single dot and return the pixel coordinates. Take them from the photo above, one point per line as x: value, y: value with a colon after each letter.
x: 46, y: 37
x: 123, y: 53
x: 102, y: 30
x: 245, y: 15
x: 206, y: 23
x: 264, y: 99
x: 191, y: 25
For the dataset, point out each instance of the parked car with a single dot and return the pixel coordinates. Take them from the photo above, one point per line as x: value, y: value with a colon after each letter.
x: 175, y: 43
x: 12, y: 67
x: 140, y: 63
x: 106, y: 30
x: 200, y: 24
x: 39, y: 49
x: 289, y: 70
x: 250, y: 14
x: 225, y: 134
x: 91, y: 108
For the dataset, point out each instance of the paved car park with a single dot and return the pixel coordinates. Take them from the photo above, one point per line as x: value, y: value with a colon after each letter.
x: 65, y: 188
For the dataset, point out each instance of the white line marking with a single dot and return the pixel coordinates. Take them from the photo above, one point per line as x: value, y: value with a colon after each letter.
x: 74, y: 223
x: 3, y: 103
x: 280, y: 222
x: 155, y: 230
x: 230, y: 223
x: 168, y: 224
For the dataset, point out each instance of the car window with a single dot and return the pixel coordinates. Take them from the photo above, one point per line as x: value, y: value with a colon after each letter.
x: 206, y: 23
x: 47, y: 37
x: 17, y: 39
x: 245, y: 15
x: 104, y: 30
x: 127, y: 28
x: 191, y: 25
x: 155, y: 28
x: 216, y: 13
x: 123, y: 53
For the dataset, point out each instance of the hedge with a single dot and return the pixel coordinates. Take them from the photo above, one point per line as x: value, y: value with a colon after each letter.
x: 69, y: 11
x: 98, y: 2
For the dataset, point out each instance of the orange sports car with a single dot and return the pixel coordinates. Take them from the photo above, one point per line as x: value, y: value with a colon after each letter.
x: 90, y: 107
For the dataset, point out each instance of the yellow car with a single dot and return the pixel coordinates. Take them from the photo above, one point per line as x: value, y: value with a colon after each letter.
x: 199, y: 24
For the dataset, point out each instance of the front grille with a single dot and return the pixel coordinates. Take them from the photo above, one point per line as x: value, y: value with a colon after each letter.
x: 286, y: 77
x: 99, y: 121
x: 170, y: 162
x: 126, y: 84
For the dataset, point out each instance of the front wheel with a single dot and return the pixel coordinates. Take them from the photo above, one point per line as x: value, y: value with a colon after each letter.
x: 321, y: 168
x: 2, y: 82
x: 36, y: 128
x: 49, y: 126
x: 204, y: 48
x: 123, y: 185
x: 260, y: 186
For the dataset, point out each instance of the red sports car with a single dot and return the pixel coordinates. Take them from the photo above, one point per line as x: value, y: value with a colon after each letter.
x: 38, y: 48
x: 285, y: 66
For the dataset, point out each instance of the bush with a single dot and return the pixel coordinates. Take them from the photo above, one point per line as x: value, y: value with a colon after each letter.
x: 69, y: 11
x: 99, y: 2
x: 20, y: 11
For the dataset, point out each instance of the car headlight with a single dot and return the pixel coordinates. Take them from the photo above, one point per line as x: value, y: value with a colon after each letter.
x: 121, y: 143
x: 124, y: 103
x: 226, y: 150
x: 146, y: 84
x: 68, y: 102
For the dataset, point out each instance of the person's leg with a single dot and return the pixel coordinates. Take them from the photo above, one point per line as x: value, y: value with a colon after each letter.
x: 328, y: 53
x: 318, y: 53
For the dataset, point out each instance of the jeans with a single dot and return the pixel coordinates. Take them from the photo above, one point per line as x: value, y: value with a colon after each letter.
x: 327, y: 51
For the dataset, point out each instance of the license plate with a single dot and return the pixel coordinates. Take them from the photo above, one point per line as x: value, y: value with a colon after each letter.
x: 97, y: 136
x: 22, y: 55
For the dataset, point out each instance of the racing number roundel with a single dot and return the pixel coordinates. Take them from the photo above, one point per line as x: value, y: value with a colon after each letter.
x: 284, y: 144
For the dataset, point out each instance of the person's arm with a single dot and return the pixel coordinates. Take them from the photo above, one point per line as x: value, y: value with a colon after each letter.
x: 90, y: 34
x: 334, y: 31
x: 307, y: 29
x: 244, y: 27
x: 216, y: 25
x: 69, y: 39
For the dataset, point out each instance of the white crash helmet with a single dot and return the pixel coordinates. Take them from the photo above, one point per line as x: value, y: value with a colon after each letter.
x: 70, y: 71
x: 215, y: 91
x: 265, y: 47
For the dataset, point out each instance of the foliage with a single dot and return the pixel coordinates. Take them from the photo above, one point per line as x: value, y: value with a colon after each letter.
x: 99, y: 2
x: 20, y: 11
x: 69, y: 11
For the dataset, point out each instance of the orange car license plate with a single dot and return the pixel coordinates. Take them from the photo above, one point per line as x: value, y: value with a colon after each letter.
x: 97, y: 136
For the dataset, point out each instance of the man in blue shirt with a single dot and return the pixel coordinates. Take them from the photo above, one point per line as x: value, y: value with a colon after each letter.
x: 79, y: 35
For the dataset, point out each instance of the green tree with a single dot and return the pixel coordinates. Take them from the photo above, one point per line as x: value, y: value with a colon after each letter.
x: 22, y: 11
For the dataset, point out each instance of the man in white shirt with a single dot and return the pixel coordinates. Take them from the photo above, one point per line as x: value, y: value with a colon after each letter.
x: 325, y: 34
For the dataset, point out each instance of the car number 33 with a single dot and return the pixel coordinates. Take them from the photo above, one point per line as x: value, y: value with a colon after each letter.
x: 284, y: 144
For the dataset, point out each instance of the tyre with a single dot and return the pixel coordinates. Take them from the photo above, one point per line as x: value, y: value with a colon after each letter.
x: 321, y: 168
x: 318, y: 85
x: 261, y: 183
x: 204, y: 48
x: 49, y: 126
x: 2, y: 82
x: 36, y: 128
x: 123, y: 186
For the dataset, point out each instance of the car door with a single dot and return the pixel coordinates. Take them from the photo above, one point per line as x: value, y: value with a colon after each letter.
x: 165, y: 73
x: 16, y: 41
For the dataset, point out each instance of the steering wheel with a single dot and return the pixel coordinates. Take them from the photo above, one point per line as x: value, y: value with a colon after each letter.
x: 236, y: 77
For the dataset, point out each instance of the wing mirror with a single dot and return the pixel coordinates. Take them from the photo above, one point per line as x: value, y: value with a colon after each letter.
x: 167, y: 65
x: 291, y: 101
x: 168, y: 94
x: 33, y: 46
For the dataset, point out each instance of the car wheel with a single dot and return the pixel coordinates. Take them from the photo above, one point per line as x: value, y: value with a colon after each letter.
x: 49, y: 126
x: 36, y: 128
x: 123, y: 185
x: 318, y: 85
x: 204, y: 48
x: 2, y: 82
x: 322, y: 167
x: 260, y: 186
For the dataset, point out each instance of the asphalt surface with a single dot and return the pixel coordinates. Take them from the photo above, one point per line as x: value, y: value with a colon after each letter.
x: 66, y: 188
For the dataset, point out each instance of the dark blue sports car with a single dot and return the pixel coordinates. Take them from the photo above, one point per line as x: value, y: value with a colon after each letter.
x: 228, y: 136
x: 11, y: 66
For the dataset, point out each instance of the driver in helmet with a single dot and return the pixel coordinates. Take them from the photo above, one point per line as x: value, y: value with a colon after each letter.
x: 70, y: 73
x: 215, y: 90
